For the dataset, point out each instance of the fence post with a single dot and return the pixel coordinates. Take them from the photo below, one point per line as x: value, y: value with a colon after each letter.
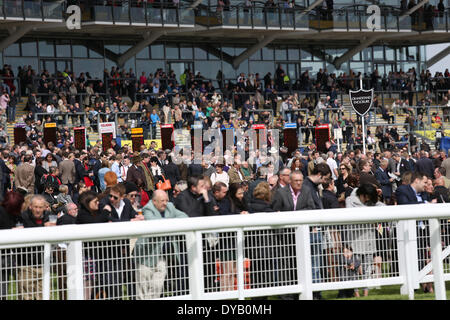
x: 75, y: 284
x: 407, y: 254
x: 46, y: 272
x: 195, y: 262
x: 240, y: 263
x: 436, y: 260
x: 303, y: 253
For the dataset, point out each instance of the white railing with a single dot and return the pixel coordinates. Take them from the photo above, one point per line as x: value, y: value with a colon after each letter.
x: 227, y: 257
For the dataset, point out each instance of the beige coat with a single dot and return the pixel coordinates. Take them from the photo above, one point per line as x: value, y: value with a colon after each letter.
x: 24, y: 177
x: 67, y: 171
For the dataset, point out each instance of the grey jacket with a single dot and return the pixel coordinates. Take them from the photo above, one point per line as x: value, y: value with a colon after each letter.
x: 149, y: 250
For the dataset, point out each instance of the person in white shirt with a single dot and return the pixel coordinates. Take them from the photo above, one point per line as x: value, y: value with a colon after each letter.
x: 333, y: 165
x: 220, y: 176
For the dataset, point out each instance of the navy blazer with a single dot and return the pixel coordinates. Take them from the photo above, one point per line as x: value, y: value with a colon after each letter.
x: 386, y: 186
x: 406, y: 195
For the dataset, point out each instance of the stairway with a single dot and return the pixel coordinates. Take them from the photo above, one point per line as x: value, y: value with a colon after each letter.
x: 19, y: 113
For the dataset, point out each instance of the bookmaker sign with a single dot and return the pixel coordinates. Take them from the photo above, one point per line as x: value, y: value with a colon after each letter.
x: 361, y: 100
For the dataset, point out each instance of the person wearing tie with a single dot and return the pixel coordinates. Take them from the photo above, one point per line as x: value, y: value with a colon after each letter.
x: 125, y: 165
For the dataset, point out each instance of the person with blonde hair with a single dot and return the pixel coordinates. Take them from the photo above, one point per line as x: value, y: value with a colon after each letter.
x: 261, y: 200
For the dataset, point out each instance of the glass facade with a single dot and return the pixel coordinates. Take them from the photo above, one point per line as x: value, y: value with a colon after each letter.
x: 57, y: 55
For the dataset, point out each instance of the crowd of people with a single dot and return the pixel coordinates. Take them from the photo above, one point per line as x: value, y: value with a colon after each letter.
x: 46, y: 185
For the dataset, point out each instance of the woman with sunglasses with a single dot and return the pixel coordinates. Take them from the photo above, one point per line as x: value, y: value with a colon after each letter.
x: 341, y: 182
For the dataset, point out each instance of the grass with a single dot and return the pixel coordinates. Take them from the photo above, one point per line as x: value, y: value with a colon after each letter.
x: 386, y: 293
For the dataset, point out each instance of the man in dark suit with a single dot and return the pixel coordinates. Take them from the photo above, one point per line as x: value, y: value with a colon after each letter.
x: 412, y: 193
x: 401, y: 165
x: 309, y: 199
x: 425, y: 165
x: 383, y: 178
x: 285, y: 199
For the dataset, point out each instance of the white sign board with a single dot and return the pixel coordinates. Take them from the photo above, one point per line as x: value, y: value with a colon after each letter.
x: 106, y: 127
x: 338, y: 133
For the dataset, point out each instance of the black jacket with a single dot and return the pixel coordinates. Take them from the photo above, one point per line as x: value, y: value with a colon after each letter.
x: 309, y: 198
x: 128, y: 212
x: 172, y: 173
x: 30, y: 222
x: 425, y: 166
x: 194, y: 205
x: 329, y: 200
x: 259, y: 205
x: 66, y: 219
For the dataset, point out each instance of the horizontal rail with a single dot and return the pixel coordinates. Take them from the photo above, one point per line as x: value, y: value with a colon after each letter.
x: 280, y: 219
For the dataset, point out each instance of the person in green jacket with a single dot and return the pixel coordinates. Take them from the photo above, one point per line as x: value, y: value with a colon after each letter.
x: 152, y: 253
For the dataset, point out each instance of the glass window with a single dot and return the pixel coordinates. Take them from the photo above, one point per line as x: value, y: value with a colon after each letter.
x: 262, y: 67
x: 401, y: 54
x: 46, y: 49
x: 228, y: 71
x: 243, y: 67
x: 157, y: 51
x: 186, y: 52
x: 267, y: 53
x: 412, y: 53
x: 29, y: 49
x: 423, y: 55
x: 239, y: 50
x: 95, y: 67
x: 109, y: 64
x: 213, y: 57
x: 130, y: 64
x: 20, y: 62
x: 256, y: 55
x: 378, y: 53
x: 63, y: 50
x: 144, y: 54
x: 293, y: 54
x: 95, y: 54
x: 113, y: 47
x: 207, y: 68
x: 305, y: 55
x: 357, y: 57
x: 313, y: 68
x: 79, y: 51
x: 123, y: 48
x: 390, y: 54
x: 149, y: 66
x: 228, y: 50
x: 281, y: 54
x: 367, y: 54
x: 13, y: 50
x: 200, y: 54
x: 172, y: 51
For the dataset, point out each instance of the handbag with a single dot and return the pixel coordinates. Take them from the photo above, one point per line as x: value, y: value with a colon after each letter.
x: 164, y: 185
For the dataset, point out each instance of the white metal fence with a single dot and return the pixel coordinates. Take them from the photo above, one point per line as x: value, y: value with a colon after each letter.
x: 225, y: 257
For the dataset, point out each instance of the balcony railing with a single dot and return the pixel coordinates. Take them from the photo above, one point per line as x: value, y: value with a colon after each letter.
x: 256, y: 16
